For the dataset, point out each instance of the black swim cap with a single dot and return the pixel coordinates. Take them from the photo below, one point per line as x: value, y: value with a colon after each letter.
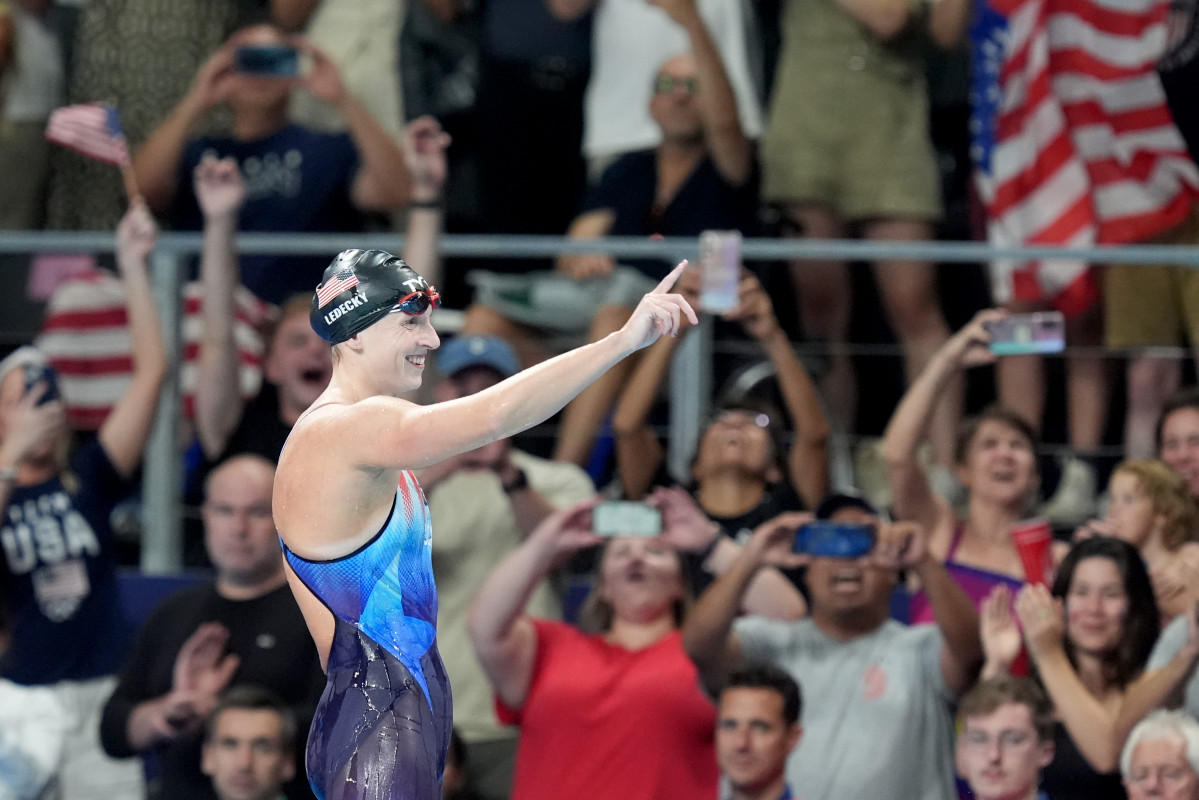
x: 362, y: 286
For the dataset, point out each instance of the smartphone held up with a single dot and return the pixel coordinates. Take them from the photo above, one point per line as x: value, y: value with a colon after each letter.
x: 267, y: 60
x: 834, y: 539
x: 625, y: 518
x: 1028, y: 334
x: 720, y: 270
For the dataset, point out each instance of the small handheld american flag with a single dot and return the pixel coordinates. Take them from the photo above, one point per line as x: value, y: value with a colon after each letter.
x: 92, y: 129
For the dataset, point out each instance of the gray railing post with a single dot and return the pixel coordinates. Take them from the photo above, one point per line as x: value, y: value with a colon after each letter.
x: 162, y: 528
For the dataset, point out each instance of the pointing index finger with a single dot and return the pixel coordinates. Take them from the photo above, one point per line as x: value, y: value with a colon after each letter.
x: 668, y: 282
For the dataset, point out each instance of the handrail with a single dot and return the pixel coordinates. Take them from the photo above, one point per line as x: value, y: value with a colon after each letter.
x: 162, y: 551
x: 520, y: 246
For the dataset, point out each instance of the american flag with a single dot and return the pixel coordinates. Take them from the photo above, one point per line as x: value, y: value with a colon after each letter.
x: 334, y: 286
x: 85, y: 335
x: 1072, y: 138
x: 93, y: 129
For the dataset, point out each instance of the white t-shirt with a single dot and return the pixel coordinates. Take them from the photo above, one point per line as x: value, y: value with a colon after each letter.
x: 630, y: 40
x: 39, y: 82
x: 1168, y: 644
x: 876, y: 711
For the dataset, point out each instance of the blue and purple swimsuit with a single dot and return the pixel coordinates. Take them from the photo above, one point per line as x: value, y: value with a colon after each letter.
x: 382, y: 727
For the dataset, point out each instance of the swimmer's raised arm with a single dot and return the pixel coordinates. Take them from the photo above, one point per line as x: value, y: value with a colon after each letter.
x: 391, y: 433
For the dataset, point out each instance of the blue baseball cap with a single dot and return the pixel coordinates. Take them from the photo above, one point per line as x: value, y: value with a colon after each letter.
x: 463, y: 352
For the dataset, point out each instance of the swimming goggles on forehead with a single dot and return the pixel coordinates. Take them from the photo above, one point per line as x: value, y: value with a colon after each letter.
x: 417, y: 303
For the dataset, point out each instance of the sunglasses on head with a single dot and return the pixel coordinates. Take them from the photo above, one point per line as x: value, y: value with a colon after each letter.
x: 417, y: 303
x: 667, y: 83
x: 737, y: 415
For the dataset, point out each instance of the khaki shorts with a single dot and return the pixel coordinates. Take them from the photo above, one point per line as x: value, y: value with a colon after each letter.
x: 864, y: 157
x: 1154, y: 305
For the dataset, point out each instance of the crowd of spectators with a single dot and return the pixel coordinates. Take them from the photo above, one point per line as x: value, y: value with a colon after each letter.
x: 709, y: 656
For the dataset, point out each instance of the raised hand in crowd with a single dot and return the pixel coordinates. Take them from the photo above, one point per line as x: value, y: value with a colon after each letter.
x: 202, y: 671
x: 1040, y: 615
x: 425, y: 146
x: 220, y: 188
x: 30, y: 424
x: 220, y: 192
x: 1001, y: 637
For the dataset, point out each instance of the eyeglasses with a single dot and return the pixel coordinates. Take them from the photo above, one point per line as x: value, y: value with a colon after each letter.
x: 667, y: 83
x: 417, y: 303
x: 1006, y: 739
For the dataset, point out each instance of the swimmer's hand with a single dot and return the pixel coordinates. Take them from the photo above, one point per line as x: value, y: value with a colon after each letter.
x: 659, y: 313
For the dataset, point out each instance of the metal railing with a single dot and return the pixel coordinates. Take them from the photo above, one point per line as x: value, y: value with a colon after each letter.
x: 690, y: 382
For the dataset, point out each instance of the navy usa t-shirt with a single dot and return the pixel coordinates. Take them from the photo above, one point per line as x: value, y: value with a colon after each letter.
x: 58, y: 576
x: 297, y: 181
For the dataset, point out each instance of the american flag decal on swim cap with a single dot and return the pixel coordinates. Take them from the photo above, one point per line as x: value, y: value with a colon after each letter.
x: 335, y: 286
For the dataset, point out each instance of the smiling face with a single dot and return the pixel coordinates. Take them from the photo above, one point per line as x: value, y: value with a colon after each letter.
x: 753, y: 738
x: 299, y: 363
x: 394, y: 351
x: 1000, y: 755
x: 1160, y: 771
x: 999, y: 464
x: 1131, y: 510
x: 640, y: 578
x: 1096, y: 605
x: 1180, y: 445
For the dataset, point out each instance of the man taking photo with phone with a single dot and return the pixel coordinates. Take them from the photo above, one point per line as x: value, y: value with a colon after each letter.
x: 868, y: 677
x: 298, y: 180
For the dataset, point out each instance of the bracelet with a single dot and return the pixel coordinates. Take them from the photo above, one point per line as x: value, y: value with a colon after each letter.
x: 521, y: 481
x: 434, y: 204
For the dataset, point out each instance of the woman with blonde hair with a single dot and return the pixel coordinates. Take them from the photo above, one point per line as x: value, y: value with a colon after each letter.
x: 1152, y: 509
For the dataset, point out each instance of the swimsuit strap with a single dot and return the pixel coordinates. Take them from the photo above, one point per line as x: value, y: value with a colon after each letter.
x: 959, y: 530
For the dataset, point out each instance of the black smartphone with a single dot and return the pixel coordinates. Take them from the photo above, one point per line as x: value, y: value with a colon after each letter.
x: 42, y: 373
x: 625, y: 518
x: 267, y: 60
x: 834, y: 539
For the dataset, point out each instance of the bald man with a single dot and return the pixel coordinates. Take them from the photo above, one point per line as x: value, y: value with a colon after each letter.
x: 241, y: 628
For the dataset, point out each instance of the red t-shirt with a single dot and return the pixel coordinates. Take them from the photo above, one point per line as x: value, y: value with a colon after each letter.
x: 604, y: 722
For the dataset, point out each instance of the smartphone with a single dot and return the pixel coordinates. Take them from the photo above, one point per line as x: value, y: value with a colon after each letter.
x: 625, y: 518
x: 1028, y: 334
x: 720, y: 270
x: 835, y: 539
x: 267, y: 60
x: 42, y: 373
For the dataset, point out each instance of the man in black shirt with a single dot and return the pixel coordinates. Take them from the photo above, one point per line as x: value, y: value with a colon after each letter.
x: 242, y: 628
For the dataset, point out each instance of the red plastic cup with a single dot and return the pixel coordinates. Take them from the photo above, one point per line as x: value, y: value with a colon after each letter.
x: 1033, y: 540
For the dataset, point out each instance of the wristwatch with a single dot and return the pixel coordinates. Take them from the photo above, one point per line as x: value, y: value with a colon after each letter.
x: 518, y: 482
